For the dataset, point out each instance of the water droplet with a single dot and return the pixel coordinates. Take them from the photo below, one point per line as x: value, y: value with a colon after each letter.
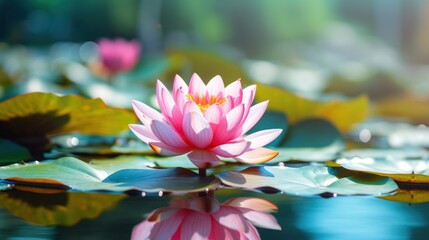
x: 143, y: 194
x: 160, y: 193
x: 72, y: 142
x: 365, y: 135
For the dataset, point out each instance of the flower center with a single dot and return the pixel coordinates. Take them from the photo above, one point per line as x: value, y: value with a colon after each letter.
x: 204, y: 101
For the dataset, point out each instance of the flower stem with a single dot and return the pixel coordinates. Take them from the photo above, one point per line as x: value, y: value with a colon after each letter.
x: 202, y: 172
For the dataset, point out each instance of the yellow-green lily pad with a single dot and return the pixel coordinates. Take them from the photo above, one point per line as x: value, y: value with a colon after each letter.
x: 342, y: 113
x: 65, y: 208
x: 36, y: 114
x: 409, y: 196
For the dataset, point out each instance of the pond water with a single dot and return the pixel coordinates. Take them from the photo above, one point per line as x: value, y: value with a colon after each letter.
x: 113, y: 216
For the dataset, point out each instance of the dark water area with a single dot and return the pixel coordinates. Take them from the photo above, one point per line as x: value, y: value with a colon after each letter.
x: 300, y: 218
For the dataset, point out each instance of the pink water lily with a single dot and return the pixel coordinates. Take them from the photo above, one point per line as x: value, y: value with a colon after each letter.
x: 205, y: 218
x: 205, y: 122
x: 118, y: 55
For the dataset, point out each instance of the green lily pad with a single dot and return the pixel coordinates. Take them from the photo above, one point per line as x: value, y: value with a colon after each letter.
x: 127, y: 174
x: 30, y: 119
x: 65, y: 208
x: 307, y: 180
x: 65, y: 172
x: 11, y: 152
x: 313, y: 140
x: 111, y: 165
x: 398, y: 168
x: 313, y: 133
x: 155, y: 180
x: 272, y: 119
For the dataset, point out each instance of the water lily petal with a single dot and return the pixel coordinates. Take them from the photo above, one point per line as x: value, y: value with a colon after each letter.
x: 259, y: 155
x: 142, y: 230
x: 249, y: 94
x: 165, y: 100
x: 256, y: 204
x: 165, y: 229
x: 179, y: 85
x: 261, y: 219
x: 229, y: 104
x: 197, y: 129
x: 233, y: 149
x: 196, y: 226
x: 215, y: 87
x: 167, y: 135
x: 262, y: 138
x: 143, y: 132
x: 235, y: 90
x: 231, y: 218
x: 165, y: 150
x: 214, y: 114
x: 191, y: 106
x: 161, y: 214
x: 197, y: 86
x: 228, y: 125
x: 203, y: 159
x: 217, y: 231
x: 145, y: 113
x: 253, y: 232
x: 255, y: 114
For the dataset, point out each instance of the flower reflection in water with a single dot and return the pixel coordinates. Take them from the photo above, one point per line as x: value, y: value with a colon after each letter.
x: 203, y: 217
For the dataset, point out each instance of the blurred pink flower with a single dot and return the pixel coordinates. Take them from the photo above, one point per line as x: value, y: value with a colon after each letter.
x: 206, y: 218
x: 205, y: 121
x: 118, y: 55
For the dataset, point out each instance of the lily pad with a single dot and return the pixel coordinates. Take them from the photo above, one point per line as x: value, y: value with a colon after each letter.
x: 11, y: 152
x: 272, y: 119
x: 61, y: 173
x: 155, y: 180
x: 409, y: 196
x: 408, y: 105
x: 307, y: 180
x: 313, y: 133
x: 314, y: 140
x: 399, y: 169
x: 30, y: 119
x: 72, y: 173
x: 111, y: 165
x: 66, y: 208
x: 342, y: 113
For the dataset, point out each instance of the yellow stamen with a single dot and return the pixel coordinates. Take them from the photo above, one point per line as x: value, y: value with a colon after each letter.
x: 202, y: 102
